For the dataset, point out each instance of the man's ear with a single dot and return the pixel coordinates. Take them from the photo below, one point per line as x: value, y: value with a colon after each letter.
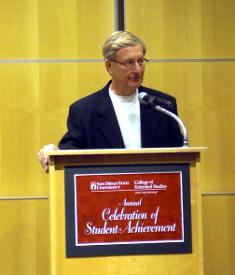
x: 108, y: 65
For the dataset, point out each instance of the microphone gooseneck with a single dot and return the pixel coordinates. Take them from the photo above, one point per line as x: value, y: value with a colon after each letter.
x: 147, y: 99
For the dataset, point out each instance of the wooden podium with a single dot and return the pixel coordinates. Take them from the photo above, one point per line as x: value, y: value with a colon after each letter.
x: 142, y: 264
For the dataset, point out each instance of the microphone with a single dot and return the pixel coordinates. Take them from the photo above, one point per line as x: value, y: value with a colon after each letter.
x: 147, y: 99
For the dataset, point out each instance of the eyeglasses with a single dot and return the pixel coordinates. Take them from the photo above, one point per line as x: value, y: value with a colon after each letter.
x: 129, y: 64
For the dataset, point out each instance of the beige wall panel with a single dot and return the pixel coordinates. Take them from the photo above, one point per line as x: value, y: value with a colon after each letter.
x: 54, y: 29
x: 218, y: 27
x: 18, y: 29
x: 20, y: 130
x: 182, y: 80
x: 74, y: 28
x: 24, y: 239
x: 34, y: 102
x: 184, y: 29
x: 61, y: 85
x: 219, y: 126
x: 170, y: 29
x: 219, y: 242
x: 145, y: 19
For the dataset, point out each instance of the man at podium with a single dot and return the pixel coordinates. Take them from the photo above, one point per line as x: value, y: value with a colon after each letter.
x: 113, y: 117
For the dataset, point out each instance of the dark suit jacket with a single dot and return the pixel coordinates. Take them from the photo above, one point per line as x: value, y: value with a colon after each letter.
x: 92, y: 124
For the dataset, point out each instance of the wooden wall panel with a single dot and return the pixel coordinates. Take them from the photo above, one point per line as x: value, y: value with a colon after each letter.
x: 184, y: 29
x: 182, y: 80
x: 170, y: 29
x: 219, y: 242
x: 217, y: 28
x: 20, y: 131
x: 61, y: 85
x: 54, y: 29
x: 19, y: 29
x: 24, y: 236
x: 74, y: 29
x: 34, y: 109
x: 218, y: 126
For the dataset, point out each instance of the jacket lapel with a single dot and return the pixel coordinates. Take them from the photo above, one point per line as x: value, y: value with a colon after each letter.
x: 149, y: 124
x: 146, y: 126
x: 107, y: 122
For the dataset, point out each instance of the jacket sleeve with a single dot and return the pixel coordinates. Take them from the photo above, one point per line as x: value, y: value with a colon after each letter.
x: 74, y: 137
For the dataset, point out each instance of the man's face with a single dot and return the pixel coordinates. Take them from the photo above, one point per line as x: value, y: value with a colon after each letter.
x: 126, y: 78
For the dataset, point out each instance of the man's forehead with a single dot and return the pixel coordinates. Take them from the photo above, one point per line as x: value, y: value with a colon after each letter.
x: 130, y: 51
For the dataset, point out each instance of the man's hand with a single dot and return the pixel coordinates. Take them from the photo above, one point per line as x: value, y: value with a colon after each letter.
x: 43, y: 158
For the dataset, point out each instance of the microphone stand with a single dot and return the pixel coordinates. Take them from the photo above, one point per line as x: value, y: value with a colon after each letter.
x: 146, y: 99
x: 179, y: 121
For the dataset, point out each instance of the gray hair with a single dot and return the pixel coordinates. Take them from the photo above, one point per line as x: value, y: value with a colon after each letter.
x: 118, y: 40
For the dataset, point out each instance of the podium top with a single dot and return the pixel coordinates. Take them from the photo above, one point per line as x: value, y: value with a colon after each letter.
x: 127, y: 151
x: 61, y: 158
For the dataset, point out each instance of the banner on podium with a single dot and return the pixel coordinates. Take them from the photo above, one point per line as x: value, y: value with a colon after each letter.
x: 123, y: 210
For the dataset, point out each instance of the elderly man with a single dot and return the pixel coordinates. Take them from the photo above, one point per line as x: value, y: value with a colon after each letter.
x: 113, y: 116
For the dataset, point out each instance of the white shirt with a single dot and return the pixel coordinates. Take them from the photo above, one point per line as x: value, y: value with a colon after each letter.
x: 127, y: 109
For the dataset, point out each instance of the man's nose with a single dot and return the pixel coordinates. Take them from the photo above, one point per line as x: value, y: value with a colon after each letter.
x: 137, y: 66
